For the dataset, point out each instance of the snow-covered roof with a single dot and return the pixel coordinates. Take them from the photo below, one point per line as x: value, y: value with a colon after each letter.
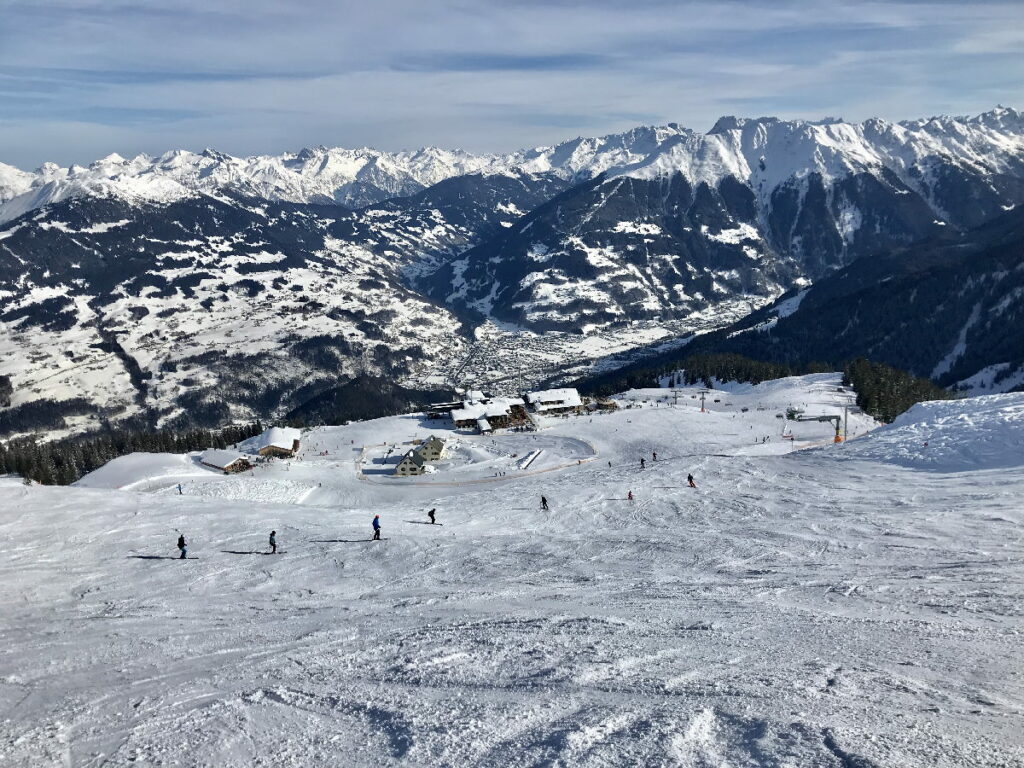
x: 498, y: 406
x: 219, y: 458
x: 484, y: 424
x: 414, y: 456
x: 278, y: 437
x: 554, y: 398
x: 475, y: 396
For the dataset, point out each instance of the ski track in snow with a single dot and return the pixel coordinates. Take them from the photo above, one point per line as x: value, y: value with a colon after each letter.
x: 840, y: 606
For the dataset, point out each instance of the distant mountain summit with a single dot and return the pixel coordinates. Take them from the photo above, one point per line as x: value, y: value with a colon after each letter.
x: 750, y: 208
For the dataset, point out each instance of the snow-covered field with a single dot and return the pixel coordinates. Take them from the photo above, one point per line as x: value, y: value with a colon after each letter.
x: 846, y: 605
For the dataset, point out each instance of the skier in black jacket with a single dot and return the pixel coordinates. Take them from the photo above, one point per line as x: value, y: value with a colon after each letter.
x: 182, y: 546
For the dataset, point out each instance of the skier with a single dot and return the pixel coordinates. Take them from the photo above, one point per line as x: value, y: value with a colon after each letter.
x: 430, y: 514
x: 643, y: 463
x: 654, y: 455
x: 179, y: 489
x: 544, y: 503
x: 629, y: 496
x: 689, y: 479
x: 376, y: 527
x: 182, y: 546
x: 273, y: 542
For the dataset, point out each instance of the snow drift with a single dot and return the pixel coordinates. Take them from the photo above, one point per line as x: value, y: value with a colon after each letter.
x: 951, y: 435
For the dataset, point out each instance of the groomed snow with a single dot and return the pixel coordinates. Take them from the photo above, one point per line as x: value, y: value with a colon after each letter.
x: 827, y: 607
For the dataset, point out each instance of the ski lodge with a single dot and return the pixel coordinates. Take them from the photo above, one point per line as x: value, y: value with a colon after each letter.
x: 555, y: 401
x: 411, y: 464
x: 498, y: 412
x: 414, y: 461
x: 276, y: 441
x: 227, y: 462
x: 442, y: 410
x: 432, y: 449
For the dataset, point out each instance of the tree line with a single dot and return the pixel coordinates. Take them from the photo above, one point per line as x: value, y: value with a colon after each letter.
x: 705, y: 369
x: 690, y: 370
x: 882, y: 390
x: 62, y: 462
x: 886, y: 392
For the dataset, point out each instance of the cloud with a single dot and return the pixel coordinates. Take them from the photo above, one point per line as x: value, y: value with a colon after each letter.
x: 491, y: 62
x: 82, y: 78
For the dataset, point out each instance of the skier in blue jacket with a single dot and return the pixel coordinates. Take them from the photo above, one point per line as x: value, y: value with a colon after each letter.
x: 376, y: 527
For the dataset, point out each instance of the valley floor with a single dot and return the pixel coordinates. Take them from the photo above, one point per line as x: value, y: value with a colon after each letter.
x: 850, y: 605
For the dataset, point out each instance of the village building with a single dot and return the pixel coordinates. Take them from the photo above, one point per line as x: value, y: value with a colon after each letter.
x: 499, y: 412
x: 565, y: 400
x: 276, y: 441
x: 412, y: 463
x: 227, y: 462
x: 483, y: 426
x: 432, y: 449
x: 442, y: 410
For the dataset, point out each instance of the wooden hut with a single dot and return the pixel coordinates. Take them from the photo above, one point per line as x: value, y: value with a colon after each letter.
x: 227, y: 462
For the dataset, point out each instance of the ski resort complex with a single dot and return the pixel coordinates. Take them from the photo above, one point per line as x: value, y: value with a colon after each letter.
x: 806, y: 603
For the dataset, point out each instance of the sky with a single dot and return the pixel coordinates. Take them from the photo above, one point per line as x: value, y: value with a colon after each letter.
x: 80, y: 79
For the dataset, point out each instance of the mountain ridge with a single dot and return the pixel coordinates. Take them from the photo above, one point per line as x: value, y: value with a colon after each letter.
x: 177, y: 287
x: 359, y: 177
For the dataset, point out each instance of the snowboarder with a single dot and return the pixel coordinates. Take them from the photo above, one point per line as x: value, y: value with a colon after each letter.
x: 629, y: 496
x: 430, y: 514
x: 179, y: 490
x: 544, y: 503
x: 643, y: 463
x: 273, y: 542
x: 182, y: 546
x: 376, y: 527
x: 689, y: 479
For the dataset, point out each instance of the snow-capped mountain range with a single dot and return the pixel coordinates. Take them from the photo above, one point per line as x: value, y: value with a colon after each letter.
x: 348, y: 177
x: 763, y: 153
x: 227, y: 287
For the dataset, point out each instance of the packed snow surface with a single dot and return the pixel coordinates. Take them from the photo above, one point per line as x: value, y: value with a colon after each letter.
x: 827, y: 607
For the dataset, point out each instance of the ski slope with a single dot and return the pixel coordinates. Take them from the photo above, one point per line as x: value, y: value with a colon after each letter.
x: 838, y: 605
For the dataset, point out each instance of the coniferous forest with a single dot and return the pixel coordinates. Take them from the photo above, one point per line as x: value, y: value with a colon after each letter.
x: 63, y: 461
x: 886, y: 392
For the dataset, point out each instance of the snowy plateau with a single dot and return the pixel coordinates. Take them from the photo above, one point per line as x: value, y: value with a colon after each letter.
x: 200, y: 288
x: 853, y: 605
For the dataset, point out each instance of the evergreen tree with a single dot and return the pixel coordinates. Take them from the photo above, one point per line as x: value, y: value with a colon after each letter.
x: 886, y: 392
